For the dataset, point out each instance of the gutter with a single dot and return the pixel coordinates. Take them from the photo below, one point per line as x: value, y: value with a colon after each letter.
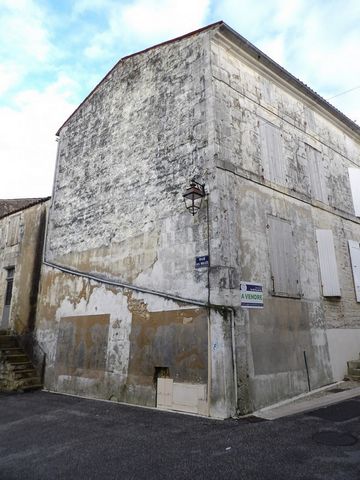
x: 260, y: 57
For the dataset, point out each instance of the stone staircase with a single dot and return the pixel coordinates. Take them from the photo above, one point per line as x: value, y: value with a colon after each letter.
x: 353, y: 370
x: 17, y: 372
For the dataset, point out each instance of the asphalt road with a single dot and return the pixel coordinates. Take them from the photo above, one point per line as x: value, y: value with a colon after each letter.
x: 48, y: 436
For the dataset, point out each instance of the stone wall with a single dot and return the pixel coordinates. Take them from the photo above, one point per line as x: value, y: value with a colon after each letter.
x: 21, y: 242
x: 125, y: 157
x: 120, y: 251
x: 250, y: 187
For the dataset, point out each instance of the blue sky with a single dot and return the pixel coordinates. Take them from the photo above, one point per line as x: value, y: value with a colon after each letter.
x: 53, y: 52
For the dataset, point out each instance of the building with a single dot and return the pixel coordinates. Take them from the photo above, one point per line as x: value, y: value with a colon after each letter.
x: 144, y: 303
x: 22, y: 227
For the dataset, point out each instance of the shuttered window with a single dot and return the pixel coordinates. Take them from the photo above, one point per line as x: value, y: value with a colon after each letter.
x: 328, y: 266
x: 354, y: 175
x: 272, y: 153
x: 13, y: 231
x: 354, y: 248
x: 284, y: 266
x: 317, y: 174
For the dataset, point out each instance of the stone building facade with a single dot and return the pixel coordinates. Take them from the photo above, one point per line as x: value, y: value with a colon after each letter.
x: 22, y: 229
x: 124, y: 313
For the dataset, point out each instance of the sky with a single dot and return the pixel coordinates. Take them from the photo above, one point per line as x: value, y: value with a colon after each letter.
x: 53, y: 53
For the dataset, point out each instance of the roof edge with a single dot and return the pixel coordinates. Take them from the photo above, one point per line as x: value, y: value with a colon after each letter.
x: 166, y: 42
x: 35, y: 202
x: 265, y: 60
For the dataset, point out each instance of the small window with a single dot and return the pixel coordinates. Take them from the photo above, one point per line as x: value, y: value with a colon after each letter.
x: 354, y: 248
x: 9, y: 285
x: 328, y: 265
x: 284, y: 266
x: 354, y: 175
x: 272, y: 153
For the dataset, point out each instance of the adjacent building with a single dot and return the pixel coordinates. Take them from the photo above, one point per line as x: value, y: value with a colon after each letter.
x: 22, y: 228
x: 144, y: 303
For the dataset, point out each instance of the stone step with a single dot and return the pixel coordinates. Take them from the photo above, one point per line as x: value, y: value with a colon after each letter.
x: 31, y: 387
x: 5, y: 336
x: 25, y: 371
x: 353, y: 364
x: 15, y: 358
x: 30, y: 380
x: 353, y: 378
x: 24, y: 375
x: 19, y: 365
x: 8, y: 341
x: 3, y: 350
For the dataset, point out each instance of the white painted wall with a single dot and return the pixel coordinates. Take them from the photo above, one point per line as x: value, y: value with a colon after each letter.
x: 344, y: 345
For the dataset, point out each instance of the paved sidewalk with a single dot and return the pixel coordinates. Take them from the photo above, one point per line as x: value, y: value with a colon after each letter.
x: 319, y: 398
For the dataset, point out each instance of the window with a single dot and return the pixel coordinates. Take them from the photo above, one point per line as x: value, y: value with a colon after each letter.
x: 8, y: 294
x: 272, y: 152
x: 317, y: 174
x: 354, y: 248
x: 9, y: 285
x: 328, y: 265
x: 354, y: 175
x: 13, y: 231
x: 284, y: 267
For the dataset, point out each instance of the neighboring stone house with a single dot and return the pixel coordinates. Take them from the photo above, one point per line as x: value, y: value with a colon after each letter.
x: 22, y: 228
x: 129, y: 309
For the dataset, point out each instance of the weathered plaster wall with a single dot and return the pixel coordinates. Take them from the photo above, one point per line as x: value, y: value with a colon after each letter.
x: 344, y: 345
x: 271, y: 342
x: 194, y: 107
x: 124, y: 160
x: 21, y: 241
x: 130, y: 334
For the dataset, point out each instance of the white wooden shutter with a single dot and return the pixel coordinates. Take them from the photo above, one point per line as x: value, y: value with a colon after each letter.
x: 354, y: 175
x: 284, y: 268
x: 354, y: 248
x: 317, y: 174
x: 272, y: 152
x: 328, y: 266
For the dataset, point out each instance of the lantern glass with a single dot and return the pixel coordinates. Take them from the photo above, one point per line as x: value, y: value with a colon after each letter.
x: 193, y: 197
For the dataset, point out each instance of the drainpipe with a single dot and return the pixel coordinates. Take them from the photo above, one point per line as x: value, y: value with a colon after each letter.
x: 208, y: 301
x: 233, y: 351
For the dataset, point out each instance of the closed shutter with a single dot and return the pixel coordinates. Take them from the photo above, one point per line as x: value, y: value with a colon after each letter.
x: 317, y: 174
x: 284, y: 267
x: 13, y: 231
x: 328, y: 266
x: 272, y: 153
x: 354, y: 175
x: 354, y: 248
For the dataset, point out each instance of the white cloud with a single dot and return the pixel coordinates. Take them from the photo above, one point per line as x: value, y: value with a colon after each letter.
x: 10, y: 75
x: 145, y: 22
x: 27, y: 143
x: 150, y: 18
x: 316, y: 41
x: 25, y: 44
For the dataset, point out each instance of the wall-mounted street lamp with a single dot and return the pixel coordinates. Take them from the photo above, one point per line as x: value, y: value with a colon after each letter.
x: 193, y: 196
